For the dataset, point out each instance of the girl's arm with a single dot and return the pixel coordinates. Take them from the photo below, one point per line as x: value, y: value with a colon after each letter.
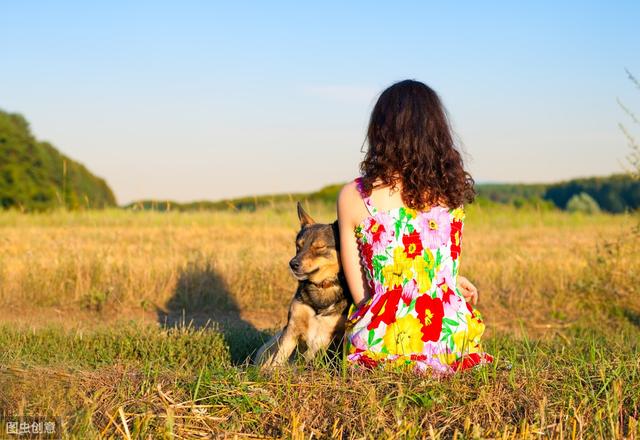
x: 468, y: 290
x: 348, y: 203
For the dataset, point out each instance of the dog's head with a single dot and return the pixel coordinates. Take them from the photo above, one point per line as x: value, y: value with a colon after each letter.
x: 317, y: 245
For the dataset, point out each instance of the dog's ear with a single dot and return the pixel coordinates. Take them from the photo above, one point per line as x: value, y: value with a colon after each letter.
x: 305, y: 219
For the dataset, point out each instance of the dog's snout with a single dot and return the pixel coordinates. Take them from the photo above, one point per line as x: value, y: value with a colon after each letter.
x: 294, y: 264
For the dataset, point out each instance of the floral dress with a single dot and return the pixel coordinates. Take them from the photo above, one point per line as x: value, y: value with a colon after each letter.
x: 415, y: 317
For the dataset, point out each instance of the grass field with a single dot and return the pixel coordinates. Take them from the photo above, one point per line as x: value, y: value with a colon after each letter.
x: 138, y: 324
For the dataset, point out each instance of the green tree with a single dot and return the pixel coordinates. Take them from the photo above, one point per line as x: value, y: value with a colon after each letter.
x: 583, y: 202
x: 35, y: 175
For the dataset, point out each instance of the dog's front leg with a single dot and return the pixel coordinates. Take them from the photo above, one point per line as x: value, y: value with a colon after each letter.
x: 283, y: 344
x: 322, y: 331
x: 297, y: 327
x: 277, y: 350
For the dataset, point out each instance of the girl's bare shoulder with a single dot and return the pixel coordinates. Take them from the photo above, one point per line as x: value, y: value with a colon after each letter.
x: 349, y: 201
x: 348, y: 193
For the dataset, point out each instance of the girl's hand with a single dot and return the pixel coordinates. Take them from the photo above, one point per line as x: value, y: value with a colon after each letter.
x: 468, y: 290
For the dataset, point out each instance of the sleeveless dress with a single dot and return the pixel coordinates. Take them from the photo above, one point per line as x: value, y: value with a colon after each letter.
x: 415, y: 317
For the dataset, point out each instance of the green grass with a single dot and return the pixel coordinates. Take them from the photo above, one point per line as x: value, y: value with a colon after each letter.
x: 128, y: 343
x: 584, y: 383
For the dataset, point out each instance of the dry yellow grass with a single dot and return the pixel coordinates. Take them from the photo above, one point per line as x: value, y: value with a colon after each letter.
x: 559, y: 292
x: 526, y: 264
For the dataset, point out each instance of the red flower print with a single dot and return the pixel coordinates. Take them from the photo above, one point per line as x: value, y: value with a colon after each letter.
x: 367, y: 362
x: 376, y: 229
x: 471, y: 360
x: 385, y: 308
x: 447, y: 292
x: 430, y: 313
x: 466, y: 362
x: 412, y: 244
x: 456, y: 236
x: 367, y: 255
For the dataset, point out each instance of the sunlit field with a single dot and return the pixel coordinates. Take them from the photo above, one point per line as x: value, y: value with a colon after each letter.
x: 140, y: 324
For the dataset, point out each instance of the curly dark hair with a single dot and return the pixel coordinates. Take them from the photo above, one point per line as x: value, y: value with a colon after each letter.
x: 410, y: 141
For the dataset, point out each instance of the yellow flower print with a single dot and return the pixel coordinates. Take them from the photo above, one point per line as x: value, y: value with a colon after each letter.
x: 397, y: 271
x: 468, y: 340
x: 401, y: 362
x: 411, y: 213
x: 476, y: 327
x: 458, y: 214
x: 461, y: 341
x: 447, y: 358
x: 424, y: 267
x: 404, y: 336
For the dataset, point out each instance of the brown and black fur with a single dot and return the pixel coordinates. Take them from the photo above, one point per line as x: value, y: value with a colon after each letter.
x: 318, y: 311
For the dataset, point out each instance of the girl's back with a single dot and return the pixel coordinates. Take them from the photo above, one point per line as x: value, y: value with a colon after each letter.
x: 400, y: 249
x: 415, y: 315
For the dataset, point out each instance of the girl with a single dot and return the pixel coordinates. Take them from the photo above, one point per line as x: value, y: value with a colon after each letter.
x: 400, y: 227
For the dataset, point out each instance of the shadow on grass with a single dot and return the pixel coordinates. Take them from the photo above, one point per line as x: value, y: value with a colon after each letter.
x: 632, y: 316
x: 202, y: 300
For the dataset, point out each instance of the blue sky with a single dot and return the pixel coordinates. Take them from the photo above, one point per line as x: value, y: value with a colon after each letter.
x: 203, y: 100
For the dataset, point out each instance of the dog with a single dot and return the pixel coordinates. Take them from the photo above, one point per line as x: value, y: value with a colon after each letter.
x: 318, y: 311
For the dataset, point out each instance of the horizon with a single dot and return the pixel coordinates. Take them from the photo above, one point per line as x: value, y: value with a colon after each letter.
x: 266, y: 194
x: 212, y: 102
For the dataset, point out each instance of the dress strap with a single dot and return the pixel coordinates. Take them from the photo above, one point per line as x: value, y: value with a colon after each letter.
x: 365, y: 198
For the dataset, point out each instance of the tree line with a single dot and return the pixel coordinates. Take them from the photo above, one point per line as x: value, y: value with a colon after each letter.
x: 34, y: 175
x: 616, y: 193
